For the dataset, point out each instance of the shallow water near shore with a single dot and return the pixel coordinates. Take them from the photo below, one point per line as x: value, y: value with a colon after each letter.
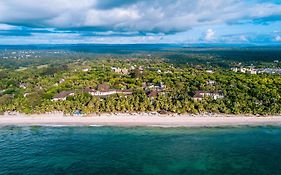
x: 140, y: 150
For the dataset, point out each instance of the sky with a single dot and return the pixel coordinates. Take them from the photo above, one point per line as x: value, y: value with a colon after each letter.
x: 140, y: 21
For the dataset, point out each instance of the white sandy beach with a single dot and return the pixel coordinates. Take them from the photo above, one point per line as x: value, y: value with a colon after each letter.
x: 143, y: 119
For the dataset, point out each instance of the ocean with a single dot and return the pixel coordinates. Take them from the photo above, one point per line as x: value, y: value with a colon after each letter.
x: 140, y: 150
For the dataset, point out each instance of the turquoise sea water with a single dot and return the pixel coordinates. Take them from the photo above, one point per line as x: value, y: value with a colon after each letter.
x: 140, y: 150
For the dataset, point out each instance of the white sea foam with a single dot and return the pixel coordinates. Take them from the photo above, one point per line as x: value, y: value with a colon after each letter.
x: 96, y: 125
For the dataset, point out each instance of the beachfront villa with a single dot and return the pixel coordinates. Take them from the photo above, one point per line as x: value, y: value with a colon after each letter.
x: 199, y: 95
x: 63, y: 95
x: 101, y: 90
x: 108, y: 92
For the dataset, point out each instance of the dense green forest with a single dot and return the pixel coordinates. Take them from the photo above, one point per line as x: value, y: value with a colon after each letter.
x: 158, y: 84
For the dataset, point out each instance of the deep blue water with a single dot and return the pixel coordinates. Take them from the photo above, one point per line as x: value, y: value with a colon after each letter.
x: 140, y: 150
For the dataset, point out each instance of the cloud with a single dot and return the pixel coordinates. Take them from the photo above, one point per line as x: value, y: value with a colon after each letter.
x: 254, y: 38
x: 210, y: 35
x: 278, y: 38
x: 120, y: 21
x: 243, y: 38
x: 7, y: 27
x: 164, y: 16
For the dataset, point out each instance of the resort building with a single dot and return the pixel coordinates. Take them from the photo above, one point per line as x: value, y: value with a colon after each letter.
x: 23, y: 85
x: 210, y: 71
x: 63, y: 95
x: 211, y: 82
x: 234, y: 69
x: 151, y: 86
x: 199, y: 95
x: 86, y: 70
x: 120, y: 71
x: 103, y: 90
x: 250, y: 70
x: 61, y: 81
x: 270, y: 70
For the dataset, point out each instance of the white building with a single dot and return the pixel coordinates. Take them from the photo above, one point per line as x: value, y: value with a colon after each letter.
x: 120, y: 71
x: 199, y: 95
x: 94, y: 92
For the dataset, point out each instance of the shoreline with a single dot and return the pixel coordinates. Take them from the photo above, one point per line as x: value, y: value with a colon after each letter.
x: 139, y: 119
